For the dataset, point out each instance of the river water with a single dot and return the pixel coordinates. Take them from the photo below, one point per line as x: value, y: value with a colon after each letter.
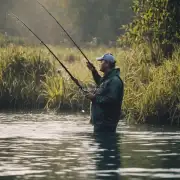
x: 62, y: 147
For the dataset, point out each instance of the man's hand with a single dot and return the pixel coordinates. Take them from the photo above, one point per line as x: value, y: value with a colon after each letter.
x: 90, y: 66
x: 90, y: 95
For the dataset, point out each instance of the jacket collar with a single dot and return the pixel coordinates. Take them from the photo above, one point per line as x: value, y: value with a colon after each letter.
x: 110, y: 74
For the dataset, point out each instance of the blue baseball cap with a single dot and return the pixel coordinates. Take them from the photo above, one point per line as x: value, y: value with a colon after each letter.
x: 107, y: 57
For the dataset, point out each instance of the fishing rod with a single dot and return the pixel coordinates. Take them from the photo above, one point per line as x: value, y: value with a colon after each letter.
x: 72, y: 77
x: 64, y: 31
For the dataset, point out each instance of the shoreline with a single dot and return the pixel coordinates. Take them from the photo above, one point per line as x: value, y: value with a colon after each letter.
x: 29, y: 79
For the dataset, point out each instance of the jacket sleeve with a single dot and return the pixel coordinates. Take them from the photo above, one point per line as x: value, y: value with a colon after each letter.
x: 96, y: 77
x: 110, y: 94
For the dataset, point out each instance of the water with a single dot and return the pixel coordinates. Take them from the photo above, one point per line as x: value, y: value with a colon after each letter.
x: 54, y: 147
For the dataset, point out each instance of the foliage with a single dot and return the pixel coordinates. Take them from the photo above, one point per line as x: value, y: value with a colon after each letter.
x: 152, y: 93
x: 21, y: 76
x: 53, y: 91
x: 84, y: 20
x: 5, y: 6
x: 100, y: 19
x: 28, y: 78
x: 157, y: 24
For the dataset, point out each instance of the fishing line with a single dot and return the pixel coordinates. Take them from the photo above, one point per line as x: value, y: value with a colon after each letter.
x: 72, y: 77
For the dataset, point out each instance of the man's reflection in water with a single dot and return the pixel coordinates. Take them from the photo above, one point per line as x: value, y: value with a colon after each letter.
x: 108, y: 156
x: 7, y: 177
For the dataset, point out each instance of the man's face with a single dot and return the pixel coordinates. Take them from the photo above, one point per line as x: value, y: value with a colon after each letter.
x: 104, y: 66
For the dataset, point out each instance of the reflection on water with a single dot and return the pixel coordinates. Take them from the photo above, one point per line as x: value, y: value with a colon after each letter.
x: 108, y: 157
x: 53, y: 147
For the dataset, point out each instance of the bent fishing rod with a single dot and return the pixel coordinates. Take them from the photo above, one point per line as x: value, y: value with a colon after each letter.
x: 72, y: 77
x: 64, y: 31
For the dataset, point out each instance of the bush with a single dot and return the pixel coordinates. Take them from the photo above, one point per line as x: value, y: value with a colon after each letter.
x: 152, y: 93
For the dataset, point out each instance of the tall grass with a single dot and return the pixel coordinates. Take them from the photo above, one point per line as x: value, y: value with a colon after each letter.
x: 28, y: 78
x: 152, y: 92
x: 21, y: 73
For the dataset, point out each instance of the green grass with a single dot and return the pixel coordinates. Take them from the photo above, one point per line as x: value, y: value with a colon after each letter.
x: 29, y: 78
x: 152, y: 93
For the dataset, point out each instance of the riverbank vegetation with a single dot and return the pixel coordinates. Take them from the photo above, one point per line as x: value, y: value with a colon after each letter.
x: 29, y: 79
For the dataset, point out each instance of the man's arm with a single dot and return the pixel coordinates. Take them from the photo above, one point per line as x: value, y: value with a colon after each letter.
x: 96, y: 76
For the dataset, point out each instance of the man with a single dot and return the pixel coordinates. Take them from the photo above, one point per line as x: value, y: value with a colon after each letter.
x: 108, y: 97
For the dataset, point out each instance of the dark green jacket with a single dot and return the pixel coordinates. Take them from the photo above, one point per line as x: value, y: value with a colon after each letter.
x: 106, y: 106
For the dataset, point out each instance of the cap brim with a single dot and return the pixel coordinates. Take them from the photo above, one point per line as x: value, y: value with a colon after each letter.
x: 99, y: 58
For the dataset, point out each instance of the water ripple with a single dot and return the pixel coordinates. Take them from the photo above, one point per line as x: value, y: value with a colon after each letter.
x: 49, y: 146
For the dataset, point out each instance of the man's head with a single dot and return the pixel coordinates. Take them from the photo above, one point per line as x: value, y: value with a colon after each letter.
x: 107, y: 62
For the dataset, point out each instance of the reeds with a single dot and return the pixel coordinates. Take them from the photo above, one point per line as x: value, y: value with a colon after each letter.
x: 29, y: 78
x: 152, y: 93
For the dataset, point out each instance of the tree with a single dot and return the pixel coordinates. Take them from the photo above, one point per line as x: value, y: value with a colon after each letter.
x: 156, y: 23
x: 85, y: 20
x: 5, y: 6
x: 100, y: 18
